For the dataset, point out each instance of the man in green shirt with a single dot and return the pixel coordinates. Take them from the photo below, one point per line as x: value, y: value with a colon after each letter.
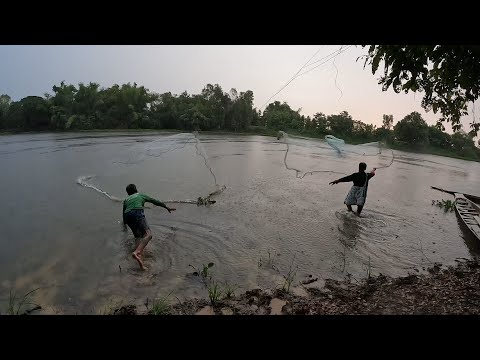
x: 134, y: 217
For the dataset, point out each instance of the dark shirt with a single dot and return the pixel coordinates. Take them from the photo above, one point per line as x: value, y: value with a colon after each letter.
x: 358, y: 178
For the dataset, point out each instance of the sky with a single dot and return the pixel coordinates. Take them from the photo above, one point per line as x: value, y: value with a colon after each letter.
x: 330, y: 88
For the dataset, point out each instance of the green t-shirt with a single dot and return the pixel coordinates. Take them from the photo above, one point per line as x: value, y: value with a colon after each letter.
x: 137, y: 200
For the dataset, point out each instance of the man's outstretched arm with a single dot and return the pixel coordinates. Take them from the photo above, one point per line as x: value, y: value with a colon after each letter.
x: 344, y: 179
x: 157, y: 203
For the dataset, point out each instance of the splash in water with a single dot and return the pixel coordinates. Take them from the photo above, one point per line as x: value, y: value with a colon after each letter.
x: 83, y: 181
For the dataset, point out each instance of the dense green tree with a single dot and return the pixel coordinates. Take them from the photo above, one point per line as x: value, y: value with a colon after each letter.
x: 412, y: 129
x: 30, y: 113
x: 5, y: 102
x: 439, y: 138
x: 449, y: 75
x: 341, y: 125
x: 280, y: 116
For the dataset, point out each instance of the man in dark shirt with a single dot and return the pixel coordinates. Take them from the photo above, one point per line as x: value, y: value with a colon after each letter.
x: 358, y: 193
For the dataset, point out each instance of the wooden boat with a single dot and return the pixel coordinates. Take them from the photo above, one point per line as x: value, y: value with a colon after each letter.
x: 469, y: 212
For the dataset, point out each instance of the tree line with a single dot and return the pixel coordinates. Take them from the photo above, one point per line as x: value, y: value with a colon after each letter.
x: 88, y: 107
x: 128, y: 106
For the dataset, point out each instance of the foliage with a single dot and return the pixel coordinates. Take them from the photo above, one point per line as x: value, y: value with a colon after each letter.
x: 161, y: 306
x: 412, y: 129
x: 446, y: 205
x: 449, y: 75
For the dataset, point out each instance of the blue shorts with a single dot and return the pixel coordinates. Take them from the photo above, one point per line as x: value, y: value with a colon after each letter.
x: 136, y: 221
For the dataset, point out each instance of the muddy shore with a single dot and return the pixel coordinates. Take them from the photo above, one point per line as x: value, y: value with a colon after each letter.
x: 445, y: 290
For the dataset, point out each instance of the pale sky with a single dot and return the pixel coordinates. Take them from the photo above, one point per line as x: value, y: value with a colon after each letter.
x: 33, y: 70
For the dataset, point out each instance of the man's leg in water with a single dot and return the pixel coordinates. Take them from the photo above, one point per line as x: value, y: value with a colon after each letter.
x: 359, y: 209
x: 349, y: 207
x: 138, y: 253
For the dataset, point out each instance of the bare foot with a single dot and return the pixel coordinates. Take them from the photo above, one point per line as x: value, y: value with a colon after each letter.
x: 357, y: 214
x: 139, y: 260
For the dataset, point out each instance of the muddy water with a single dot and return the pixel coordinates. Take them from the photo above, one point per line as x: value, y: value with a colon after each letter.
x: 66, y: 239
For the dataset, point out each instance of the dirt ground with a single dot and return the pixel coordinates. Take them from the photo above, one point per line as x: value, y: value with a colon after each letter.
x: 451, y: 290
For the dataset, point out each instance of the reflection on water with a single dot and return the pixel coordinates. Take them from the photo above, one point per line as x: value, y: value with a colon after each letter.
x: 67, y: 240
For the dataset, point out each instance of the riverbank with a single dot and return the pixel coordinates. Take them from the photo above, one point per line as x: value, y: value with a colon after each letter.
x: 445, y: 290
x: 432, y: 151
x: 261, y: 131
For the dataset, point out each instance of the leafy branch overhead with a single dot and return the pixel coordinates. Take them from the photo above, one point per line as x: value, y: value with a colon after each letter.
x: 449, y: 75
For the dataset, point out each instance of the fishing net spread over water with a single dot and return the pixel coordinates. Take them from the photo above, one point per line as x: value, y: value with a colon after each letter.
x: 152, y: 156
x: 332, y: 155
x: 146, y: 149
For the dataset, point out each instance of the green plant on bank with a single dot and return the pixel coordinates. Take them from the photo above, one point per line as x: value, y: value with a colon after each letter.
x: 290, y: 277
x: 214, y: 291
x: 15, y: 305
x: 161, y: 306
x: 271, y: 259
x: 111, y: 306
x: 214, y: 288
x: 446, y: 205
x: 229, y: 289
x: 205, y: 272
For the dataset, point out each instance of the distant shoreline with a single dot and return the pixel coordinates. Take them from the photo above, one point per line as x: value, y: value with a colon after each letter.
x: 257, y: 131
x: 430, y: 151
